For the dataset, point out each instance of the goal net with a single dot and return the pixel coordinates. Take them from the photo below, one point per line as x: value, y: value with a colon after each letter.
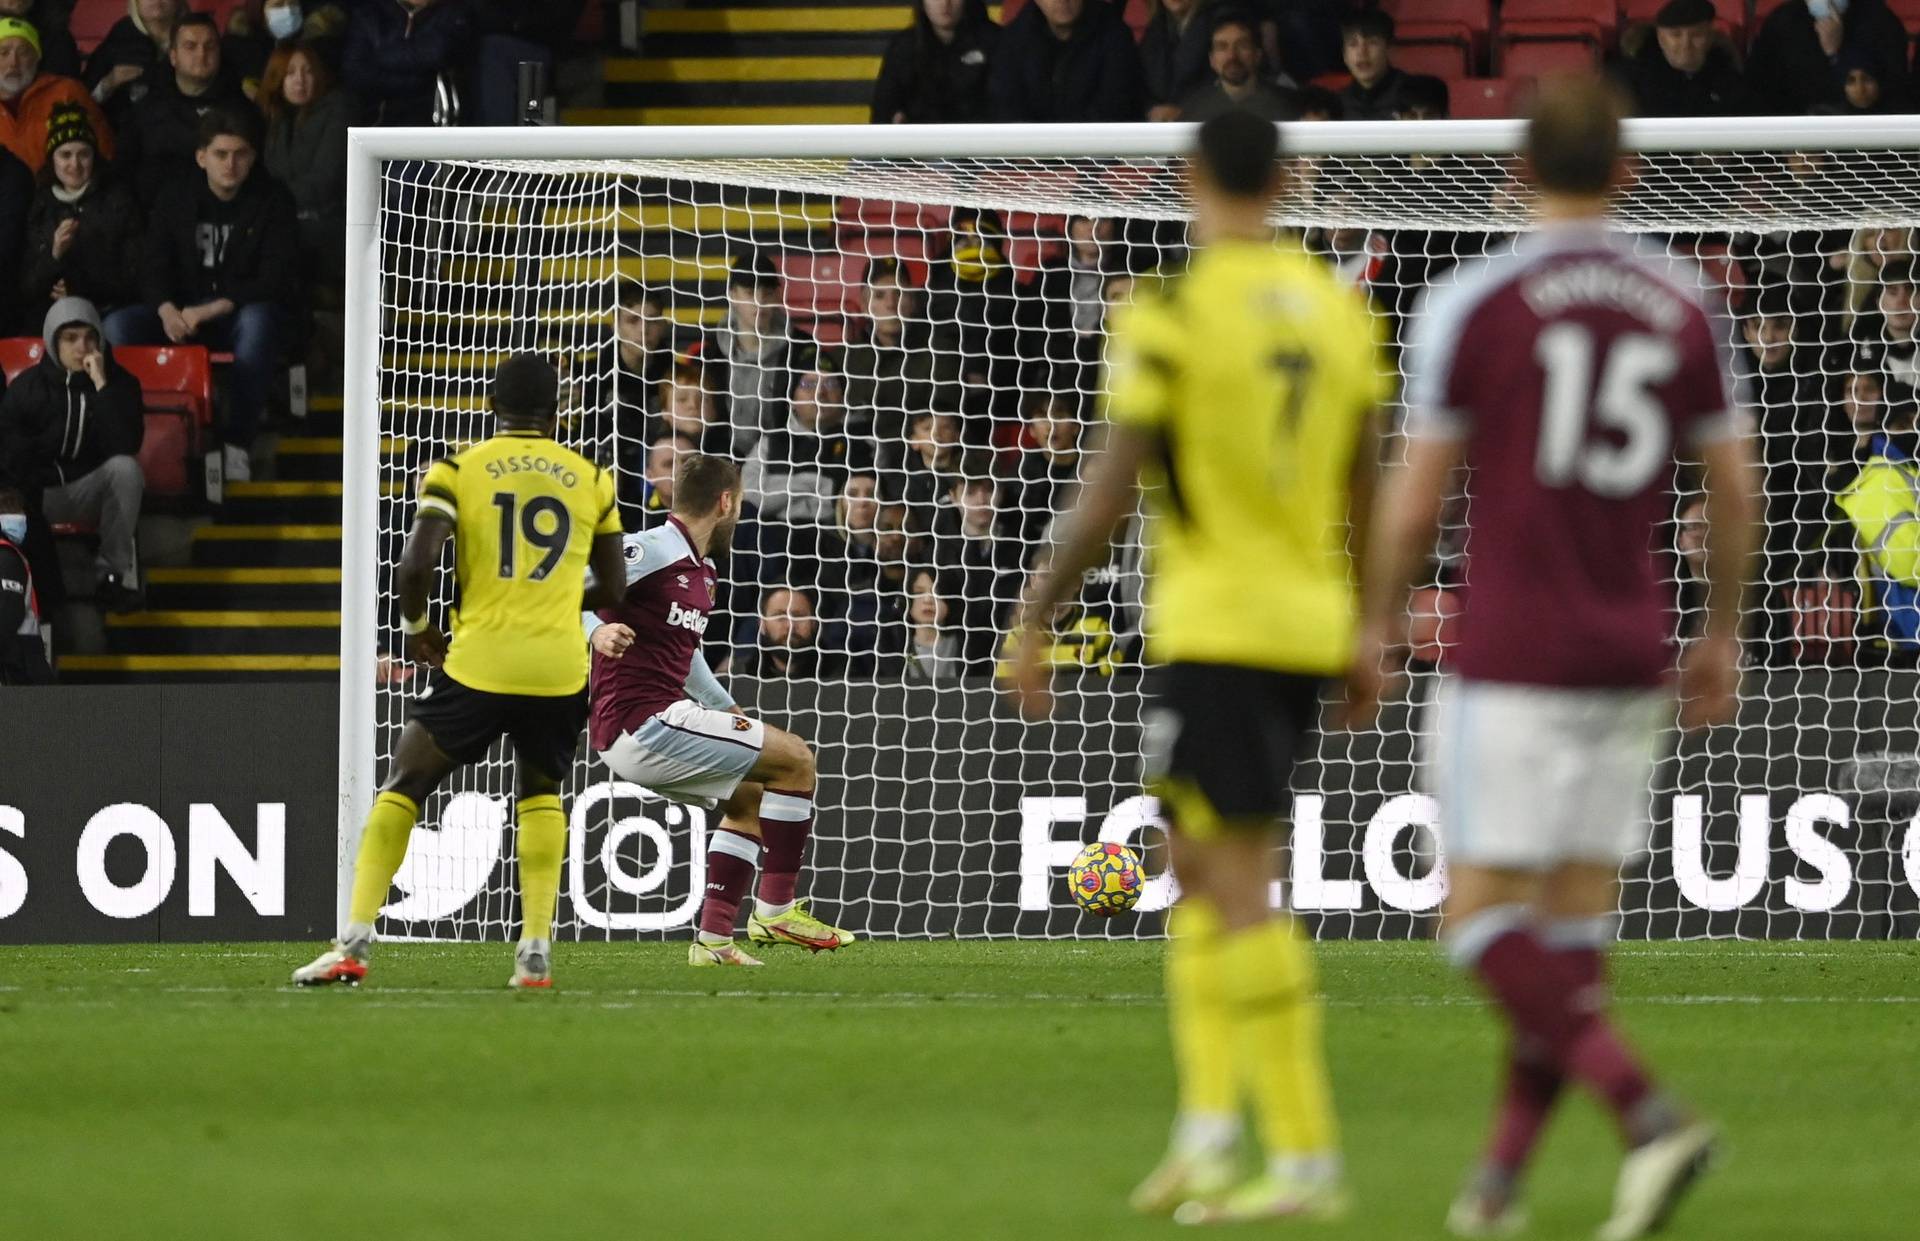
x: 900, y: 336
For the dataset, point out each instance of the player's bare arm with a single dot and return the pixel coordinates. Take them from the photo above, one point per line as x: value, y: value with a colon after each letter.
x: 1406, y: 517
x: 419, y: 560
x: 608, y: 579
x: 1710, y: 669
x: 1103, y: 501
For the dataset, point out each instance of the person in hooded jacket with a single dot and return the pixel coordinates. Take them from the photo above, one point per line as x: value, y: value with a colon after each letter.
x: 1068, y: 60
x: 1794, y: 64
x: 83, y: 229
x: 71, y: 427
x: 935, y: 72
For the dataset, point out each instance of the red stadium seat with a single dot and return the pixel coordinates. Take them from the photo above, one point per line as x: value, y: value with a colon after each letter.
x: 90, y: 21
x: 881, y: 213
x: 1484, y: 98
x: 17, y: 353
x: 1465, y: 23
x: 1908, y: 11
x: 1533, y: 58
x: 1442, y: 60
x: 1520, y: 16
x: 822, y: 286
x: 176, y: 386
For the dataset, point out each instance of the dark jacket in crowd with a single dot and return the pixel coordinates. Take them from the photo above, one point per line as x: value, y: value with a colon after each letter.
x: 395, y: 56
x: 16, y: 196
x: 307, y: 153
x: 1378, y: 102
x: 159, y: 137
x: 55, y: 426
x: 103, y: 263
x: 982, y: 577
x: 1092, y: 76
x: 1659, y: 89
x: 1266, y: 101
x: 23, y: 659
x: 127, y: 43
x: 549, y: 23
x: 1175, y: 61
x: 58, y: 54
x: 930, y: 82
x: 199, y: 248
x: 1792, y: 73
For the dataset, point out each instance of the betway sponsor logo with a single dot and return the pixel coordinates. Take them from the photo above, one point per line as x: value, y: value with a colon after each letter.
x: 1402, y: 858
x: 686, y: 618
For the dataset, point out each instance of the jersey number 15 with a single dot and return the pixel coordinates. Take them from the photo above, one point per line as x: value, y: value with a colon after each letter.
x: 1623, y: 403
x: 552, y: 541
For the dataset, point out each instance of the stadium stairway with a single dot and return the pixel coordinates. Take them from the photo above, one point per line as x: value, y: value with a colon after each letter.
x: 750, y: 62
x: 259, y: 595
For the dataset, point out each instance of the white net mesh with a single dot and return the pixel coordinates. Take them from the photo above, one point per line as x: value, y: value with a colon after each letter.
x: 905, y: 356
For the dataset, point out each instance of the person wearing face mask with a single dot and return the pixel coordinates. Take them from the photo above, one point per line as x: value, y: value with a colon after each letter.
x: 71, y: 427
x: 23, y: 653
x: 83, y: 230
x: 1795, y: 61
x: 259, y: 29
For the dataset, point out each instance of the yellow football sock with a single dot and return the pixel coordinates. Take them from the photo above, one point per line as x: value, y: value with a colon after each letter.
x: 1203, y: 1054
x: 383, y: 846
x: 1274, y: 1005
x: 542, y: 845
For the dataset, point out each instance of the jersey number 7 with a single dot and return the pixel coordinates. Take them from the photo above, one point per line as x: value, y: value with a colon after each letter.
x: 553, y: 541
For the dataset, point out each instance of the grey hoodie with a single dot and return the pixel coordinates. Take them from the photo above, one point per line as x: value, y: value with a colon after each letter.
x: 55, y: 425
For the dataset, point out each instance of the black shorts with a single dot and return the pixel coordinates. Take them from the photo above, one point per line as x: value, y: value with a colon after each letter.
x: 465, y: 722
x: 1221, y: 742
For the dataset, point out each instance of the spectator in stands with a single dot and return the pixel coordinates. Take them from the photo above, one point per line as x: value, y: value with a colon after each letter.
x: 134, y: 53
x: 971, y: 294
x: 16, y: 204
x: 895, y: 360
x: 754, y: 347
x: 1794, y: 64
x: 159, y: 137
x: 839, y: 559
x: 688, y: 407
x: 1068, y: 60
x: 1881, y: 504
x: 920, y: 648
x: 795, y: 471
x: 1423, y: 98
x: 306, y: 151
x: 1234, y: 58
x: 1317, y: 103
x: 403, y: 59
x: 786, y: 643
x: 23, y: 654
x: 28, y: 97
x: 72, y: 425
x: 223, y: 271
x: 507, y: 32
x: 1061, y: 313
x: 616, y: 392
x: 1374, y: 94
x: 58, y: 55
x: 1174, y: 51
x: 936, y: 71
x: 83, y: 234
x: 1863, y: 400
x: 1047, y: 466
x: 646, y: 493
x: 257, y: 30
x: 925, y: 471
x: 1888, y: 338
x: 1685, y: 69
x: 1860, y: 83
x: 1795, y: 442
x: 983, y: 569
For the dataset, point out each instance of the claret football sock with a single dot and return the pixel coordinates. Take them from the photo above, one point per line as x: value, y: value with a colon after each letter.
x: 731, y: 858
x: 1203, y: 1053
x: 1274, y: 1006
x: 383, y: 846
x: 542, y: 847
x: 786, y: 820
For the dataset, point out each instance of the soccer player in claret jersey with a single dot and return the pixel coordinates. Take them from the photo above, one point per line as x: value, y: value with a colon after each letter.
x: 527, y: 517
x: 662, y: 720
x: 1567, y: 376
x: 1245, y: 393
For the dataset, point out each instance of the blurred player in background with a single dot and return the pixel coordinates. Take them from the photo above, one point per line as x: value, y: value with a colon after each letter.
x: 1245, y: 393
x: 527, y: 516
x: 662, y: 721
x: 1567, y: 376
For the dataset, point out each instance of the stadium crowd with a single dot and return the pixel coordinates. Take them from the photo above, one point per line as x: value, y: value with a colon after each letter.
x: 184, y: 183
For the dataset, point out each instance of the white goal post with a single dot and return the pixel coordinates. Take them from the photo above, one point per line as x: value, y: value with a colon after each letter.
x: 997, y: 249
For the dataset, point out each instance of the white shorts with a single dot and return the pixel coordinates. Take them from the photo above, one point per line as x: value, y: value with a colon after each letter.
x: 688, y: 753
x: 1531, y: 776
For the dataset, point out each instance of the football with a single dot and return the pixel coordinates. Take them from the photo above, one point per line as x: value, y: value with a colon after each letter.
x: 1106, y: 879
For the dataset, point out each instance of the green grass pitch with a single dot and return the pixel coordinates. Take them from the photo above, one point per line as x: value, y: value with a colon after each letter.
x: 896, y: 1090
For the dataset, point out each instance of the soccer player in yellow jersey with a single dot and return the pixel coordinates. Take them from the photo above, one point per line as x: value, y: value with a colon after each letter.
x: 528, y: 518
x: 1245, y: 395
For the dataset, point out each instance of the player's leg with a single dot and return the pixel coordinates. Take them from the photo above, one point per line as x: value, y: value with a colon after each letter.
x: 419, y: 766
x: 788, y: 773
x: 733, y: 852
x: 545, y: 732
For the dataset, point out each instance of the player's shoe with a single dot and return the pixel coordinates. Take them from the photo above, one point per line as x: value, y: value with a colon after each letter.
x: 1270, y: 1197
x: 1185, y: 1178
x: 718, y: 954
x: 532, y: 966
x: 799, y: 927
x: 345, y: 962
x: 1476, y: 1215
x: 1654, y: 1177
